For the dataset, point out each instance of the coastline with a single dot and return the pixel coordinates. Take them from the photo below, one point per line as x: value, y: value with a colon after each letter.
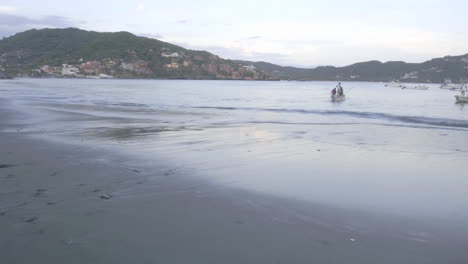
x: 215, y: 79
x: 53, y: 209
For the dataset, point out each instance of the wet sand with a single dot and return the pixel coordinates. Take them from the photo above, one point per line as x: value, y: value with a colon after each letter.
x: 69, y: 203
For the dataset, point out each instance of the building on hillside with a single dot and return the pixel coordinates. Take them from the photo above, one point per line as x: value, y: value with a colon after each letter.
x: 250, y: 68
x: 126, y: 66
x: 69, y: 70
x: 91, y: 67
x: 172, y: 65
x: 47, y: 69
x: 411, y: 75
x: 170, y: 54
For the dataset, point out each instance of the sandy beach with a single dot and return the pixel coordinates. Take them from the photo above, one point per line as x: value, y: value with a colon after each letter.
x: 71, y: 203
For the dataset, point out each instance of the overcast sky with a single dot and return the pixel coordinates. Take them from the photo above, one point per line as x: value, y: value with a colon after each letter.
x: 298, y: 33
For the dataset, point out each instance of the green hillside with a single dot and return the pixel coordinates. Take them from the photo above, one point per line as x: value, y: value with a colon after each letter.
x: 119, y: 54
x: 73, y: 52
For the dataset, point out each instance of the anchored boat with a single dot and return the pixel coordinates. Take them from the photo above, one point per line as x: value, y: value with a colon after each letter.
x: 450, y: 86
x: 394, y: 84
x: 337, y: 94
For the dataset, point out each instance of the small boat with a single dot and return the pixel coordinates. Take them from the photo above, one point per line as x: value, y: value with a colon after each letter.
x: 394, y: 84
x: 450, y: 86
x: 338, y: 98
x: 337, y: 94
x: 461, y: 99
x: 417, y: 87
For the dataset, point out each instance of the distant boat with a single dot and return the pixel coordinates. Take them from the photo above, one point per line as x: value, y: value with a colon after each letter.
x: 449, y: 85
x: 394, y: 84
x: 417, y: 87
x: 337, y: 94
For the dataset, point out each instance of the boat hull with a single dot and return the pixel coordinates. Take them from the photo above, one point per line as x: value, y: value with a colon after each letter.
x: 337, y: 98
x: 461, y: 99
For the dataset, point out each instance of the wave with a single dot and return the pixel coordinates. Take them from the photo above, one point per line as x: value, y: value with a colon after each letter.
x: 433, y: 121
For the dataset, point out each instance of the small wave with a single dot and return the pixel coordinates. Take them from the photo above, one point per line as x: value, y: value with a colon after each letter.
x: 367, y: 115
x: 119, y: 104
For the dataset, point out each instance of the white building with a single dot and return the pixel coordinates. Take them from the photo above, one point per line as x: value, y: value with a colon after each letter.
x: 249, y: 67
x: 127, y: 66
x: 170, y: 55
x: 69, y: 70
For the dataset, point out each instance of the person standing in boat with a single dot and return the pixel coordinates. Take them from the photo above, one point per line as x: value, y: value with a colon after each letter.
x: 333, y: 92
x: 340, y: 89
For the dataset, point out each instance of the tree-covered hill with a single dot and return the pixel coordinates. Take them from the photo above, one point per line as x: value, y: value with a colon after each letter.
x: 73, y: 52
x: 121, y: 54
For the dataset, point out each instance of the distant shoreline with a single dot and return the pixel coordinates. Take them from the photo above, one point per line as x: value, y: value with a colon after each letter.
x: 184, y: 79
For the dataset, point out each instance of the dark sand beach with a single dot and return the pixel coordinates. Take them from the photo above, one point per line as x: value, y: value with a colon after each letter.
x: 71, y: 203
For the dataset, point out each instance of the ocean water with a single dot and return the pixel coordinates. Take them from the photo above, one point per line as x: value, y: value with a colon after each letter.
x: 384, y: 149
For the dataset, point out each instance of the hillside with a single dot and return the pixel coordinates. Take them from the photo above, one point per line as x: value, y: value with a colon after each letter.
x: 438, y: 70
x: 73, y: 52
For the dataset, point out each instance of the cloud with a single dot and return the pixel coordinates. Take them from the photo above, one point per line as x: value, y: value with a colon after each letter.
x: 10, y: 24
x: 235, y: 52
x: 140, y: 7
x: 151, y: 35
x: 254, y: 37
x: 345, y: 42
x: 7, y: 9
x: 316, y: 43
x: 183, y: 21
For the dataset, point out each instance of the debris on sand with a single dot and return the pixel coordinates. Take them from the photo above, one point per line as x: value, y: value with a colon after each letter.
x: 32, y: 219
x: 105, y: 196
x: 22, y: 204
x: 170, y: 172
x: 39, y: 192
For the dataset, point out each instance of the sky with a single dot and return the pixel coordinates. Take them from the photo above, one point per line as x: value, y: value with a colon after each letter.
x: 293, y: 33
